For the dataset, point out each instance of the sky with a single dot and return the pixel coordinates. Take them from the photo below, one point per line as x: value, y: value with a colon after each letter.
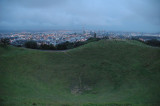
x: 113, y: 15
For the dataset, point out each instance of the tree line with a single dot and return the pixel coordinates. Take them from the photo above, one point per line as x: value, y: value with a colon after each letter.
x: 152, y: 42
x: 62, y: 46
x: 69, y: 45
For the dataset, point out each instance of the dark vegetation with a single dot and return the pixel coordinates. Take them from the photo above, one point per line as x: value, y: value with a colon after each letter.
x: 47, y: 47
x: 31, y: 44
x: 4, y: 42
x: 152, y: 42
x: 63, y: 46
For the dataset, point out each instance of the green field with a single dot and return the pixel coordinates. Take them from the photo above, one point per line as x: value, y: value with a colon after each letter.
x: 103, y: 73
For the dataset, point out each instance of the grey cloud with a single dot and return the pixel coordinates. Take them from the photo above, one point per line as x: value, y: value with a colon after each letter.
x: 127, y: 15
x: 149, y: 10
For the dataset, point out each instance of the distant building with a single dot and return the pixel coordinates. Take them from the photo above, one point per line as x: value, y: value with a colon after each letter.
x: 95, y: 35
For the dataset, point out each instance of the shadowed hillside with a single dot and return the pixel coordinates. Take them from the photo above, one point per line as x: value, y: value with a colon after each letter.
x: 99, y: 73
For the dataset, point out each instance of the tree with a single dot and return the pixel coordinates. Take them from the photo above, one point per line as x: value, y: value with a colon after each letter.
x: 153, y: 42
x: 61, y: 46
x: 31, y: 44
x: 92, y: 39
x: 52, y: 47
x: 4, y: 42
x: 47, y: 47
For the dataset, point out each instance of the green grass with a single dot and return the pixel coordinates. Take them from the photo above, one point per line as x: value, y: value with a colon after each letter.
x: 118, y: 73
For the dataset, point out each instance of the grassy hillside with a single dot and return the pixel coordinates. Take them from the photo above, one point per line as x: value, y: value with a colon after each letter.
x: 106, y: 72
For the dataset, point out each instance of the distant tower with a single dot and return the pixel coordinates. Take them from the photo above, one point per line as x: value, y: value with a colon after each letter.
x: 95, y: 35
x: 83, y: 30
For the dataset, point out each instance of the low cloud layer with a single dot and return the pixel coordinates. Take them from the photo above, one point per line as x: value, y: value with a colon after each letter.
x: 119, y: 15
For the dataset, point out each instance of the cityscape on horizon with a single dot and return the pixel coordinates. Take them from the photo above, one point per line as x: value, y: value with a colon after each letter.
x: 54, y: 22
x: 62, y: 36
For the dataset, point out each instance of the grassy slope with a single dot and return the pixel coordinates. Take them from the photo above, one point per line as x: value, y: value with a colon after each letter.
x: 116, y: 71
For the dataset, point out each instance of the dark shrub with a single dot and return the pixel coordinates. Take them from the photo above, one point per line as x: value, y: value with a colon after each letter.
x: 47, y: 47
x: 62, y: 46
x: 4, y: 42
x: 31, y: 44
x: 153, y: 42
x: 93, y: 40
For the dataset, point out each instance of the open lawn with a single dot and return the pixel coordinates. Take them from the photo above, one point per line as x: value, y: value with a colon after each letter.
x: 103, y: 73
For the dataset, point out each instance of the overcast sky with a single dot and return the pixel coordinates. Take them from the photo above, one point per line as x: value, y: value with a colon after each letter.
x: 116, y: 15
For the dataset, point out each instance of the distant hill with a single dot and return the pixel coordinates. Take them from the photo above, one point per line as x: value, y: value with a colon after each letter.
x: 107, y: 72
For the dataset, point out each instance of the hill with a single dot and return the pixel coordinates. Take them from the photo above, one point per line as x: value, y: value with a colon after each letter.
x: 107, y: 72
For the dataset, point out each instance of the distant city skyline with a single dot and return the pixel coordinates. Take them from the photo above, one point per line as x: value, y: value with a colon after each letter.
x: 112, y: 15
